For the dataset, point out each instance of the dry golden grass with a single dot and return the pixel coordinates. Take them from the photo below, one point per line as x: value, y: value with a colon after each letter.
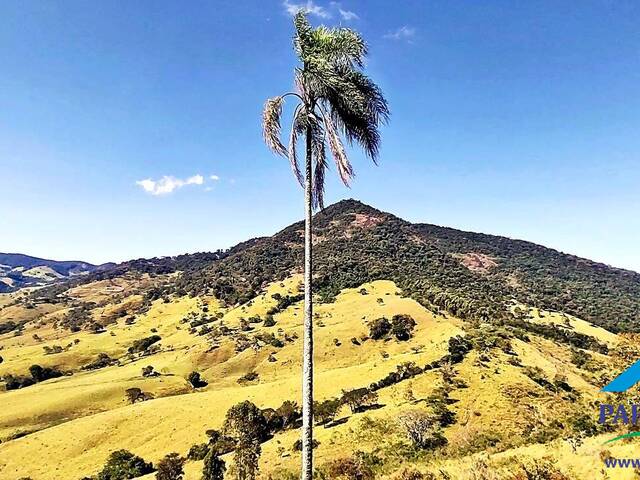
x: 75, y: 422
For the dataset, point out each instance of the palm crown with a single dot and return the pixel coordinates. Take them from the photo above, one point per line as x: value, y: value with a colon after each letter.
x: 334, y: 98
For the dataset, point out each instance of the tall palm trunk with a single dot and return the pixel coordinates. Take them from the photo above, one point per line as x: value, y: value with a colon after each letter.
x: 307, y: 369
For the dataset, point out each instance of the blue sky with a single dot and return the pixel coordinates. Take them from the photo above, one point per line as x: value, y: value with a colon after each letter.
x: 512, y: 118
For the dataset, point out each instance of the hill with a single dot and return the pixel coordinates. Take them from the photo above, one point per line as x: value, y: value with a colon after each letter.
x: 18, y: 270
x: 508, y: 381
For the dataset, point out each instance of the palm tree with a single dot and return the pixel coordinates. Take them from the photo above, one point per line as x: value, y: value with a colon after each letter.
x: 333, y: 97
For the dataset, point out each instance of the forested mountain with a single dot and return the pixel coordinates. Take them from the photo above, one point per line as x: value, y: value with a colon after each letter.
x: 470, y: 275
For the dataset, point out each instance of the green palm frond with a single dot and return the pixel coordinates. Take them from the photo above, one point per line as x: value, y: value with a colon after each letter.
x: 336, y: 99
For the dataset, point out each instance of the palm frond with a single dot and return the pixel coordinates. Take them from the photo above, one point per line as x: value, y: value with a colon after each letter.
x: 343, y: 165
x: 293, y: 140
x: 271, y: 125
x: 320, y: 164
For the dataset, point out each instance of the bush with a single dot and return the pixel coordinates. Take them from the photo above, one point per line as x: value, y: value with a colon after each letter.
x: 327, y: 410
x: 148, y: 371
x: 297, y: 445
x: 143, y: 344
x: 213, y: 468
x: 269, y: 321
x: 290, y: 413
x: 170, y: 467
x: 40, y: 374
x: 422, y: 429
x: 102, y: 361
x: 124, y: 465
x: 408, y: 474
x: 133, y: 395
x: 198, y: 451
x: 349, y: 468
x: 15, y: 382
x: 196, y: 380
x: 540, y: 469
x: 359, y: 399
x: 248, y: 377
x: 402, y: 326
x: 379, y: 328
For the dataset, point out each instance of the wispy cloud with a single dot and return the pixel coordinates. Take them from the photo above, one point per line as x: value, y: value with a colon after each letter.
x: 348, y: 15
x: 168, y: 184
x: 309, y: 6
x: 403, y: 33
x: 214, y: 178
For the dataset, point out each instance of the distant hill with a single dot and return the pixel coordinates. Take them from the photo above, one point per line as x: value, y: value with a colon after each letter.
x: 18, y: 270
x: 471, y: 275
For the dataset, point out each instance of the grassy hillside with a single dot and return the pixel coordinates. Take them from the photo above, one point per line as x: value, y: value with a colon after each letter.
x: 66, y: 427
x: 511, y: 345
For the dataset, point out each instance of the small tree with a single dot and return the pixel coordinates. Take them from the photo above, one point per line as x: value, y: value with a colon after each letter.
x: 124, y: 465
x: 214, y: 467
x: 326, y: 411
x: 359, y: 398
x: 402, y: 326
x: 196, y: 380
x: 132, y: 394
x: 379, y: 328
x: 170, y: 467
x: 422, y: 429
x: 246, y: 423
x: 290, y: 413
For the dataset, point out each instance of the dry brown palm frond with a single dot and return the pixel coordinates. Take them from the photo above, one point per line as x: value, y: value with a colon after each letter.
x: 319, y: 154
x: 293, y: 140
x: 343, y: 165
x: 271, y: 125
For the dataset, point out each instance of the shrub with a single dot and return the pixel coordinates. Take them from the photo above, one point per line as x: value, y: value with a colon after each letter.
x: 408, y: 474
x: 40, y: 374
x: 379, y: 328
x: 124, y: 465
x: 196, y: 380
x: 422, y: 429
x: 143, y: 344
x: 269, y: 321
x: 102, y: 361
x: 132, y: 395
x: 359, y: 399
x: 213, y: 468
x: 540, y: 469
x: 349, y: 468
x: 402, y: 326
x: 15, y: 382
x: 149, y: 372
x: 170, y: 467
x: 289, y: 412
x: 248, y: 377
x: 297, y: 445
x: 198, y: 451
x: 327, y: 410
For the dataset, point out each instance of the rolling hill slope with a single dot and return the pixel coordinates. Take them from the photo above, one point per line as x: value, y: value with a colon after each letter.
x: 511, y: 345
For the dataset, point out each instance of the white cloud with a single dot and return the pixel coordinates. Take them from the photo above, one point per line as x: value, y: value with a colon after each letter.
x: 309, y: 6
x: 167, y: 184
x: 402, y: 33
x: 348, y: 14
x: 214, y: 178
